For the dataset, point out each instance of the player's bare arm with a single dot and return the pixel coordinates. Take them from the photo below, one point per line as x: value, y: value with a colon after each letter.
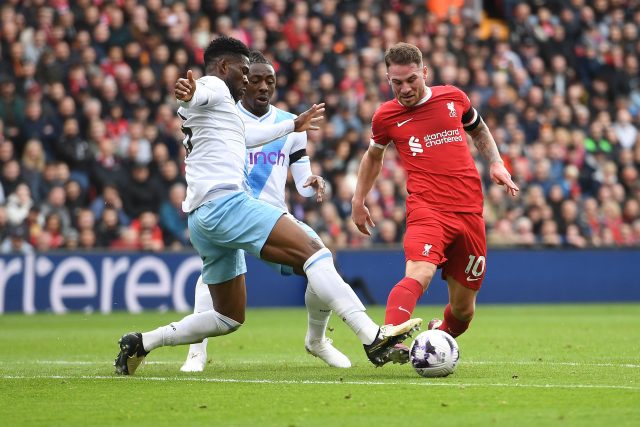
x: 310, y: 119
x: 185, y: 88
x: 370, y: 168
x: 317, y: 183
x: 486, y: 145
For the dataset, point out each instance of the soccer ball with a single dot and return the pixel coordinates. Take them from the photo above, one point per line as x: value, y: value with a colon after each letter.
x: 434, y: 353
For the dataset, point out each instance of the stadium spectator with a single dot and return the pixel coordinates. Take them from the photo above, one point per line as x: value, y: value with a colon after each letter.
x: 74, y: 198
x: 148, y: 230
x: 11, y: 177
x: 71, y: 148
x: 173, y: 220
x: 33, y: 161
x: 56, y: 204
x: 140, y: 191
x: 53, y: 231
x: 87, y: 239
x: 109, y: 228
x: 16, y: 242
x: 18, y: 204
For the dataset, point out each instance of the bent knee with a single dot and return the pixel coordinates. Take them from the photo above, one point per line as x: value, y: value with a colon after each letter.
x: 421, y: 271
x: 237, y: 315
x: 239, y: 319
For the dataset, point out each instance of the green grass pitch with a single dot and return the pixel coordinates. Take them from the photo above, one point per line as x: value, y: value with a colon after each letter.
x: 564, y: 365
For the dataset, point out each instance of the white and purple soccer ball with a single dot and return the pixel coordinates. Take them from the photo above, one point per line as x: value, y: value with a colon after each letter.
x: 434, y: 354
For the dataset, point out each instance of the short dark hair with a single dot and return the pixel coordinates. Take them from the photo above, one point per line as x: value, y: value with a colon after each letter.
x: 257, y: 57
x: 403, y: 54
x: 223, y: 46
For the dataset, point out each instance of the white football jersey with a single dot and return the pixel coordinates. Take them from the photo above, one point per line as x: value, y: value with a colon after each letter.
x: 215, y: 143
x: 268, y: 165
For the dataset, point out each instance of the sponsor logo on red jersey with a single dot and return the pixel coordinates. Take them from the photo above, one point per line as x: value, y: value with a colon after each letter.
x: 433, y: 139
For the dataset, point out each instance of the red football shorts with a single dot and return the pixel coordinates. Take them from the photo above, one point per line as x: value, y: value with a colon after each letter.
x: 454, y: 241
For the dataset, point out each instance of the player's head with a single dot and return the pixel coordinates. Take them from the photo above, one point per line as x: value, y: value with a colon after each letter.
x: 228, y: 58
x: 262, y: 84
x: 406, y: 73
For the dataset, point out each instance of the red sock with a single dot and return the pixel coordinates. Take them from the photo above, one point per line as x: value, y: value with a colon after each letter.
x: 402, y: 300
x: 451, y: 324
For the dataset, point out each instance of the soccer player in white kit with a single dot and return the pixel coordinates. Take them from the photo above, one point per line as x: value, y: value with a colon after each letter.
x: 267, y: 168
x: 224, y: 221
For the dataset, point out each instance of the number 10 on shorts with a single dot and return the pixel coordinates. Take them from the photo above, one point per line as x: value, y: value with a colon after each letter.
x: 475, y: 266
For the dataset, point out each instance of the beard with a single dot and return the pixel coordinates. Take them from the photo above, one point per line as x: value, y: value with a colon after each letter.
x: 236, y: 92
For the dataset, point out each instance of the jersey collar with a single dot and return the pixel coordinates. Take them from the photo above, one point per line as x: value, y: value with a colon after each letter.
x: 253, y: 116
x: 427, y: 96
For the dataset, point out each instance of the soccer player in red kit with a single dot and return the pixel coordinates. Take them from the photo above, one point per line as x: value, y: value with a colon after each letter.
x: 445, y: 227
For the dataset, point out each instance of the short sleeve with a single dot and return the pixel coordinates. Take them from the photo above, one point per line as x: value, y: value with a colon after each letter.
x: 379, y: 136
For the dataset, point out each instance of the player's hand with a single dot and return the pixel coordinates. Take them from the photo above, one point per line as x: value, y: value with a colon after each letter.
x: 310, y: 119
x: 361, y: 217
x: 501, y: 176
x: 317, y: 182
x: 185, y: 88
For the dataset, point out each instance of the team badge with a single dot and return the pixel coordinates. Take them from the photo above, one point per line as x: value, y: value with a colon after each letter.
x: 452, y: 109
x: 427, y: 248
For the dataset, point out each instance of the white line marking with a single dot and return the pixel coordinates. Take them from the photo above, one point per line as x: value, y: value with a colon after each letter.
x: 543, y: 363
x: 256, y: 362
x: 309, y: 382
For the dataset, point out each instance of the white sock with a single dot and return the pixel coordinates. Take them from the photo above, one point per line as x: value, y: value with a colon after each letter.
x: 327, y: 284
x: 318, y: 314
x: 191, y: 329
x: 202, y: 302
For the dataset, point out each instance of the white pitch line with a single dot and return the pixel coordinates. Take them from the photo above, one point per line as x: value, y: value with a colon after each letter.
x: 309, y: 382
x: 543, y: 363
x: 249, y: 362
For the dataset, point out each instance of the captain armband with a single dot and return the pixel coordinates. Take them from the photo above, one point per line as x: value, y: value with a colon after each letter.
x: 471, y: 119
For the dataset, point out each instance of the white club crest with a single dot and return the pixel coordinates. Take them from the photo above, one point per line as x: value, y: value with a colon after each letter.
x: 427, y: 248
x: 452, y: 109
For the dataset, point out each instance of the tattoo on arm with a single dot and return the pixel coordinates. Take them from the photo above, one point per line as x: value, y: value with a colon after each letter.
x: 484, y: 142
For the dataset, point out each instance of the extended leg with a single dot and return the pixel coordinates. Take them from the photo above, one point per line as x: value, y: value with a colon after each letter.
x: 288, y: 244
x: 197, y: 356
x: 226, y: 317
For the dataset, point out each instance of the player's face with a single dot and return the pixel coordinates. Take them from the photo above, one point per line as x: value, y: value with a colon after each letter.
x: 262, y: 85
x: 236, y: 77
x: 407, y: 82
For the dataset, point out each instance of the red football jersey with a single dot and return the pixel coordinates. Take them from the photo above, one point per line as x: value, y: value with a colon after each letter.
x: 432, y: 145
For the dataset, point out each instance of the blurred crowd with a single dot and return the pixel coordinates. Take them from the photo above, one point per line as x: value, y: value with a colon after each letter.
x: 91, y: 151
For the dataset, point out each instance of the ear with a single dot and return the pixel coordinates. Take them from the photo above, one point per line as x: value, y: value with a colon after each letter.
x: 424, y: 72
x: 388, y: 79
x: 223, y: 66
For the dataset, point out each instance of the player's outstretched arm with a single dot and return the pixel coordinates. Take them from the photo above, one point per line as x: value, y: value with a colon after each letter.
x: 310, y: 119
x: 258, y: 134
x: 317, y: 183
x: 486, y: 145
x: 369, y: 170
